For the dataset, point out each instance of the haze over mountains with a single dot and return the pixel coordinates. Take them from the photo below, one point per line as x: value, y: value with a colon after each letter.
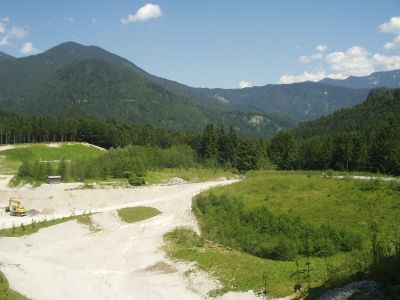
x: 106, y: 85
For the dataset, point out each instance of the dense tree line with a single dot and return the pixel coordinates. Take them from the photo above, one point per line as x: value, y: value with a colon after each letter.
x: 364, y: 138
x: 214, y: 147
x: 259, y: 232
x: 220, y: 148
x: 74, y: 126
x: 117, y: 163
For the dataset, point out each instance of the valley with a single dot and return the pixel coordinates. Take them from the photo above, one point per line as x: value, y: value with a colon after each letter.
x: 215, y: 150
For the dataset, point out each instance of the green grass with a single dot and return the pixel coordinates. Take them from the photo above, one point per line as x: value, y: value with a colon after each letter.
x: 88, y: 221
x: 136, y: 214
x: 238, y: 271
x: 11, y: 159
x: 344, y: 203
x: 6, y: 293
x: 21, y: 230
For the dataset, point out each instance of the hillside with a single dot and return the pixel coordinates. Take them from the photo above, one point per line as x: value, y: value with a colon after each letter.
x: 380, y: 106
x: 363, y: 138
x: 389, y: 79
x: 106, y: 85
x: 11, y: 156
x: 5, y: 57
x: 300, y: 101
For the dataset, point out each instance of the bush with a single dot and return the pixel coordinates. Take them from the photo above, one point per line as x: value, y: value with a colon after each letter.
x: 136, y: 180
x: 285, y: 249
x: 128, y: 174
x: 259, y: 232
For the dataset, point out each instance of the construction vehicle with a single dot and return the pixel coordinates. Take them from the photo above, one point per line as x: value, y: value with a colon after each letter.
x: 15, y: 208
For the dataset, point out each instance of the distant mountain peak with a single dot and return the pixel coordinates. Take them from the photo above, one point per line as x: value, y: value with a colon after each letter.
x: 388, y: 79
x: 4, y: 56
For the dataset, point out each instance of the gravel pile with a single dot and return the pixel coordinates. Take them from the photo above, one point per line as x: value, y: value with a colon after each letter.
x: 177, y: 181
x: 347, y: 291
x: 32, y: 212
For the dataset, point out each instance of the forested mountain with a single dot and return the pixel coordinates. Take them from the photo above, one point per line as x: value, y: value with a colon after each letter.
x: 5, y: 57
x: 380, y: 106
x: 363, y: 138
x: 301, y: 101
x: 106, y: 85
x: 389, y: 79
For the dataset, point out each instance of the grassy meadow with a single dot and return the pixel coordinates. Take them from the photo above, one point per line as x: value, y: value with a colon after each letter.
x: 11, y: 159
x: 309, y: 197
x: 346, y: 203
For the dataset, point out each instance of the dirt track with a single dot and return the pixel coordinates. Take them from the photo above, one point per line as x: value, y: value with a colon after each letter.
x: 121, y: 261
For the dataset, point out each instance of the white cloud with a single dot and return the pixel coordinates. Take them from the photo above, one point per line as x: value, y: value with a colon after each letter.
x: 245, y: 84
x: 315, y: 75
x: 394, y: 44
x: 94, y: 21
x: 393, y: 26
x: 354, y: 61
x: 305, y: 59
x: 321, y: 48
x: 18, y: 32
x: 28, y: 49
x: 387, y: 62
x: 149, y: 11
x: 6, y: 19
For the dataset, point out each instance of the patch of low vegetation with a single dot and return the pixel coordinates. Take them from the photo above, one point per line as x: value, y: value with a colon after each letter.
x: 11, y: 159
x: 276, y: 224
x: 136, y: 214
x: 6, y: 293
x: 259, y: 232
x: 239, y: 271
x: 21, y: 229
x: 342, y: 203
x: 88, y: 221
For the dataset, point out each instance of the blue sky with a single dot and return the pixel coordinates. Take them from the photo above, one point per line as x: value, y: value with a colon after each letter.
x: 212, y: 43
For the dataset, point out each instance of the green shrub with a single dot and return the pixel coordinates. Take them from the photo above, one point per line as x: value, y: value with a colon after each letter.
x: 285, y: 249
x: 136, y: 180
x: 259, y: 232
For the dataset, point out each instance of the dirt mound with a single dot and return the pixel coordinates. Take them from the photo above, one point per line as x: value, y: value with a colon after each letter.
x: 177, y: 181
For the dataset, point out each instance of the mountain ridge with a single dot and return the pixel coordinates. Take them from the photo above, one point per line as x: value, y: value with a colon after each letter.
x: 42, y: 84
x: 388, y: 79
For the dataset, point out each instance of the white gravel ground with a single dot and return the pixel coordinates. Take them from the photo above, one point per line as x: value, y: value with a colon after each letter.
x: 121, y: 261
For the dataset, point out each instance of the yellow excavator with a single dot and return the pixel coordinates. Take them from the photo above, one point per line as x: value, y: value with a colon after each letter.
x: 15, y: 208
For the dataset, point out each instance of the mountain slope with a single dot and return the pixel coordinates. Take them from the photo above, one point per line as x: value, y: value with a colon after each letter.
x: 5, y: 57
x: 381, y: 105
x: 106, y: 85
x: 301, y: 101
x: 389, y: 79
x: 104, y: 90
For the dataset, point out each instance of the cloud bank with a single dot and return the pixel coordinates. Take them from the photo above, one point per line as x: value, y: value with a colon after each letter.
x: 354, y: 61
x: 147, y: 12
